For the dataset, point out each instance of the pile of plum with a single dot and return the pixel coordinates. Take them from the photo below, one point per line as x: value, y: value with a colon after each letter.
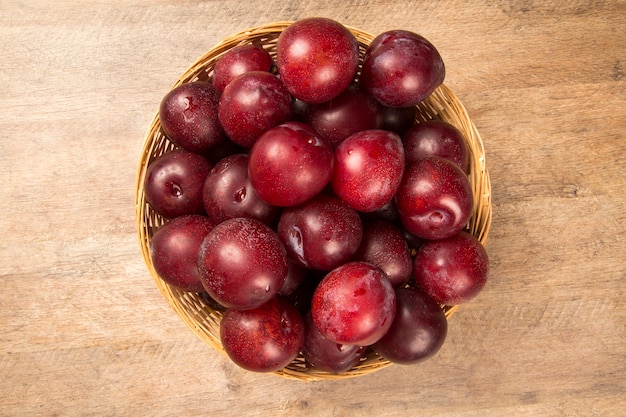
x: 305, y: 202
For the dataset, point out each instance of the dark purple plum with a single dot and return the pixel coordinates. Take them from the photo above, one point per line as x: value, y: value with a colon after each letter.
x: 252, y: 103
x: 174, y: 251
x: 188, y: 115
x: 383, y: 245
x: 368, y: 169
x: 228, y: 193
x: 290, y: 164
x: 452, y: 270
x: 350, y: 112
x: 242, y: 263
x: 418, y: 329
x: 239, y: 60
x: 436, y: 138
x: 325, y: 355
x: 434, y: 199
x: 401, y: 68
x: 173, y: 183
x: 354, y: 304
x: 317, y: 58
x: 320, y: 234
x: 264, y: 339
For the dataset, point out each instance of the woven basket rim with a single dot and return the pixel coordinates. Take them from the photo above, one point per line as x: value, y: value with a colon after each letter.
x: 202, y: 320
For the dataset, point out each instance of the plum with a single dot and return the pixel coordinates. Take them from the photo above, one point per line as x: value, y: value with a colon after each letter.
x: 418, y: 330
x: 354, y: 304
x: 434, y: 199
x: 174, y: 251
x: 317, y: 58
x: 436, y: 138
x: 401, y: 68
x: 188, y: 115
x: 452, y: 270
x: 174, y: 181
x: 264, y: 339
x: 239, y: 60
x: 252, y: 103
x: 290, y: 164
x: 242, y: 263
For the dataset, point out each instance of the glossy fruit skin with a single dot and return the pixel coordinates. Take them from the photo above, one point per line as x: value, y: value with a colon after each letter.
x: 237, y: 61
x: 354, y: 304
x: 324, y: 354
x: 383, y: 245
x: 368, y: 169
x: 242, y: 263
x: 401, y: 68
x: 173, y: 183
x: 263, y: 339
x: 252, y: 103
x: 337, y: 119
x: 436, y: 138
x: 317, y: 58
x: 228, y: 193
x: 290, y: 164
x: 188, y: 115
x: 320, y: 234
x: 452, y: 270
x: 434, y: 199
x: 418, y: 330
x: 174, y: 251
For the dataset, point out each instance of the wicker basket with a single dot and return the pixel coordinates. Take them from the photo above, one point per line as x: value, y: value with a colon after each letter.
x: 203, y: 320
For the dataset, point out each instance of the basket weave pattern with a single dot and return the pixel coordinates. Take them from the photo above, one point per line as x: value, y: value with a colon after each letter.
x: 203, y: 320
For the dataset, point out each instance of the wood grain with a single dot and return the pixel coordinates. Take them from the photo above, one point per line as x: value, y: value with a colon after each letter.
x: 83, y: 330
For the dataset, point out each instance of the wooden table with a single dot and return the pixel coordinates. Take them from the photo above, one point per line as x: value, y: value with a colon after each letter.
x: 83, y: 329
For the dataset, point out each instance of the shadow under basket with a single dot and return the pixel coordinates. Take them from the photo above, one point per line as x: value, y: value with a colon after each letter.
x: 204, y: 321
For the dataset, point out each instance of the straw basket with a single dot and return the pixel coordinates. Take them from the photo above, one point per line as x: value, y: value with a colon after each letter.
x: 191, y: 308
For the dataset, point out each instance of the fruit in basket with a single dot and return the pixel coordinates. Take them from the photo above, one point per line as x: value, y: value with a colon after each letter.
x: 290, y: 164
x: 418, y: 330
x: 326, y: 355
x: 242, y: 263
x: 434, y: 199
x: 174, y: 181
x: 317, y: 58
x: 436, y: 138
x: 401, y: 68
x: 320, y: 234
x: 354, y: 304
x: 188, y: 115
x: 252, y: 103
x: 264, y: 339
x: 174, y: 250
x: 350, y: 112
x: 237, y: 61
x: 452, y: 270
x: 326, y: 181
x: 368, y: 169
x: 228, y: 193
